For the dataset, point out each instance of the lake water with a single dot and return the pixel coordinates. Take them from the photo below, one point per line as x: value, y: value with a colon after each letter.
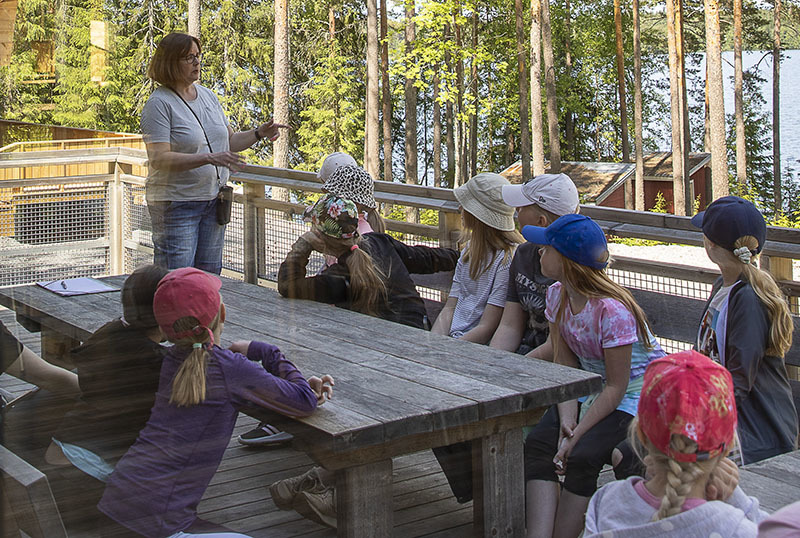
x: 790, y: 108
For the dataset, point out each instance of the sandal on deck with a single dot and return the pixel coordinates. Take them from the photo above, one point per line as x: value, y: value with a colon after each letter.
x: 265, y: 435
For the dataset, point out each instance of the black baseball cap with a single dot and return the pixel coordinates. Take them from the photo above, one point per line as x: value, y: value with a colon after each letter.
x: 730, y: 218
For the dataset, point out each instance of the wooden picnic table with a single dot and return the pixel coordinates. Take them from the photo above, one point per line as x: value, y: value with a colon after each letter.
x: 399, y: 390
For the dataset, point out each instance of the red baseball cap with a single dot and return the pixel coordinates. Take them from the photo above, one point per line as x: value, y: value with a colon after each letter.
x: 187, y: 292
x: 688, y: 394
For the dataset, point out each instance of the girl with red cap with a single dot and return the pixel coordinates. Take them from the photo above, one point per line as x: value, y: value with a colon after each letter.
x: 685, y: 427
x: 155, y: 488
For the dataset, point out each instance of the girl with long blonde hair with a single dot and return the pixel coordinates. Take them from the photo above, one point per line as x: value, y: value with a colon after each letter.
x: 155, y: 488
x: 684, y: 430
x: 747, y: 327
x: 595, y: 325
x: 480, y: 283
x: 372, y: 271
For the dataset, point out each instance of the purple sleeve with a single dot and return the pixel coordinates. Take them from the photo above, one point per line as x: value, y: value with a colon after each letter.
x: 274, y: 384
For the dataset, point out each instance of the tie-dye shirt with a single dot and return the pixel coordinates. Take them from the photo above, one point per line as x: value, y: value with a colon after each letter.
x: 602, y: 324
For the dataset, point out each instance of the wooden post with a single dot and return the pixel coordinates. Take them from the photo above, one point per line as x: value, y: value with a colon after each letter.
x: 253, y: 235
x: 56, y: 348
x: 116, y: 225
x: 364, y: 500
x: 449, y: 225
x: 498, y: 486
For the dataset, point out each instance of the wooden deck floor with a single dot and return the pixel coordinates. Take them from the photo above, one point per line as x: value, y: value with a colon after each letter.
x: 238, y: 496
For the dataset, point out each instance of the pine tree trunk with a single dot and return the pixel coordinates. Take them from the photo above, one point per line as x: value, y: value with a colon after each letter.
x: 569, y: 123
x: 461, y: 170
x: 676, y: 107
x: 337, y: 134
x: 687, y: 142
x: 707, y: 117
x: 550, y: 89
x: 411, y: 105
x: 623, y: 108
x: 537, y: 134
x: 372, y: 125
x: 437, y: 132
x: 716, y: 102
x: 281, y: 98
x: 473, y: 120
x: 523, y: 93
x: 741, y: 152
x: 193, y: 12
x: 387, y: 97
x: 637, y: 108
x: 776, y: 107
x: 450, y: 175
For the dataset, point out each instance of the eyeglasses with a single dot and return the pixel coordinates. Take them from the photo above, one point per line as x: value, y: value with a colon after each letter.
x: 191, y: 58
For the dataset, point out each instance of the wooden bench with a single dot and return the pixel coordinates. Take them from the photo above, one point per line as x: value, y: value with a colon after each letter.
x: 677, y: 318
x: 27, y: 501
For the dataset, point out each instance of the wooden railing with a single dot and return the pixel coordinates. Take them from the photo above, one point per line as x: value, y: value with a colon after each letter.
x: 121, y: 165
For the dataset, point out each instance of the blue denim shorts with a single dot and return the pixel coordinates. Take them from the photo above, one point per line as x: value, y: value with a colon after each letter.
x: 186, y: 234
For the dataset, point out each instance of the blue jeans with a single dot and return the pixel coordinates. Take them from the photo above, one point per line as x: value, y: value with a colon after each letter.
x: 186, y: 234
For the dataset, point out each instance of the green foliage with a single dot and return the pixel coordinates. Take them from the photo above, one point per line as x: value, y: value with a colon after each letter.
x: 333, y: 121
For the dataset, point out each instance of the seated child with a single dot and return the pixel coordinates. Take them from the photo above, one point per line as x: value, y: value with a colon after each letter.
x: 480, y: 283
x: 155, y: 488
x: 685, y: 426
x: 524, y: 327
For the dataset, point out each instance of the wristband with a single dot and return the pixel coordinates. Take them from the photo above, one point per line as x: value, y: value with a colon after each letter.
x: 259, y: 138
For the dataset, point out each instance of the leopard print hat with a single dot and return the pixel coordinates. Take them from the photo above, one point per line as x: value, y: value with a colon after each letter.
x: 352, y: 183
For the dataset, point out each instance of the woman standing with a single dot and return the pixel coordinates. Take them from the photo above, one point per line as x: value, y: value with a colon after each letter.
x: 192, y: 149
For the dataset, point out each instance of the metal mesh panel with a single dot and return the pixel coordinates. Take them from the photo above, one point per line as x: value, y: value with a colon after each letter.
x: 50, y: 232
x: 280, y: 233
x: 233, y: 249
x: 660, y: 284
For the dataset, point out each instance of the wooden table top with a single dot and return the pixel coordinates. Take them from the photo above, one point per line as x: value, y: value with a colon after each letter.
x: 393, y: 383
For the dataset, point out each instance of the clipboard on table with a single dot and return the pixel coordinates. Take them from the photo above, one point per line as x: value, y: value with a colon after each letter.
x: 77, y: 286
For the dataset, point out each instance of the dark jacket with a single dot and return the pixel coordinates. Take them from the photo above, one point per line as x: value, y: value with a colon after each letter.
x: 767, y: 416
x: 395, y: 259
x: 118, y: 369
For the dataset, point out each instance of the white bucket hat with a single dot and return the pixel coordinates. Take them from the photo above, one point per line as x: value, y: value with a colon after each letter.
x: 555, y: 193
x: 482, y: 196
x: 332, y: 162
x: 353, y: 183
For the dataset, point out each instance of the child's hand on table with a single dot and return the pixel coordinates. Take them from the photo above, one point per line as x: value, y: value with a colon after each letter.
x: 322, y: 387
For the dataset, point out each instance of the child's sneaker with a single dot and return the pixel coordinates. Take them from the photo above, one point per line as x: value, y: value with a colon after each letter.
x: 319, y: 506
x: 264, y: 435
x: 285, y: 491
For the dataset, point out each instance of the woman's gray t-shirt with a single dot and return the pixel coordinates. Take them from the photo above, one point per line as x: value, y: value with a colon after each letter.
x: 165, y: 118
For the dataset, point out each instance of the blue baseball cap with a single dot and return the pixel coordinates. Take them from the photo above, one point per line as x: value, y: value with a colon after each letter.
x: 730, y: 218
x: 577, y: 237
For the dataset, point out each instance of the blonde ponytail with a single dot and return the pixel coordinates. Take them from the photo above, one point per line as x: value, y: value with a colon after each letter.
x: 367, y: 282
x: 768, y: 292
x: 375, y: 221
x: 189, y: 383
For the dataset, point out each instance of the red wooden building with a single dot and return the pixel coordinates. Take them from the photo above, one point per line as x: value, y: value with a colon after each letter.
x: 603, y: 184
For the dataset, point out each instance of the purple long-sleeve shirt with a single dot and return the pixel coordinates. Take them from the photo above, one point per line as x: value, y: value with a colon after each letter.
x: 156, y: 486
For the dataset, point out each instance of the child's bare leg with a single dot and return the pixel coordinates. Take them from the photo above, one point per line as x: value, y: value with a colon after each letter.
x: 540, y: 507
x: 570, y: 518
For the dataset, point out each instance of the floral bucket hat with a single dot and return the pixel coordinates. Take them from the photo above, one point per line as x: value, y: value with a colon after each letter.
x: 334, y: 216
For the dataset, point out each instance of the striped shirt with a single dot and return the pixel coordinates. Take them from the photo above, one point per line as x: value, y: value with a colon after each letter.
x: 473, y: 295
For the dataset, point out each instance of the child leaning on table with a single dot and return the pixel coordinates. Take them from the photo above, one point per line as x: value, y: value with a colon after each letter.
x: 155, y: 488
x: 595, y: 325
x: 478, y: 293
x: 685, y: 427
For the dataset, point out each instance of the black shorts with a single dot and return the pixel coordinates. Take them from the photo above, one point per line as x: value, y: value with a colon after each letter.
x: 592, y: 451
